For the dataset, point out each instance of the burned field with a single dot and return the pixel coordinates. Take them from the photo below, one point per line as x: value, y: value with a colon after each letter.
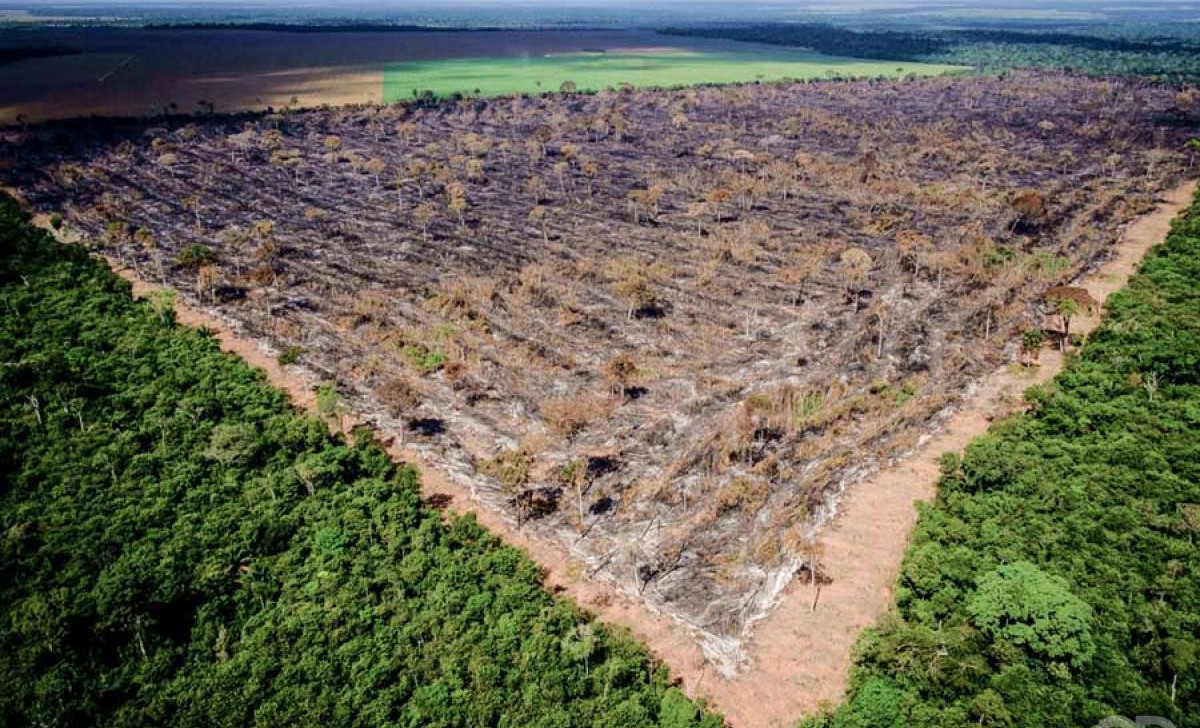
x: 667, y: 327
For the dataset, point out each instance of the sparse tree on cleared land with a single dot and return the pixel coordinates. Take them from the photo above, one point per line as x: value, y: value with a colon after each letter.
x: 590, y: 169
x: 207, y: 277
x: 697, y: 211
x: 620, y: 372
x: 636, y: 291
x: 854, y: 266
x: 879, y: 317
x: 332, y: 144
x: 538, y: 216
x: 375, y: 167
x: 424, y: 215
x: 717, y: 199
x: 458, y: 205
x: 536, y: 188
x: 1066, y: 309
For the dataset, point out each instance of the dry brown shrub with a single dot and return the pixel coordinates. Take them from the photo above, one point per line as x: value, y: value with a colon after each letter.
x: 743, y: 494
x: 620, y: 372
x: 720, y: 250
x: 568, y: 416
x: 511, y: 468
x: 372, y: 305
x: 766, y: 548
x: 263, y: 275
x: 1030, y: 206
x: 534, y: 285
x: 854, y: 266
x: 286, y: 329
x: 399, y: 396
x: 709, y: 273
x: 619, y: 267
x: 636, y: 292
x: 455, y: 373
x: 465, y: 298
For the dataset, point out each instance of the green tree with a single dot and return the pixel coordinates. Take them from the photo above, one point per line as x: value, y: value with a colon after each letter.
x: 1066, y: 309
x: 1032, y: 341
x: 1022, y: 604
x: 878, y: 703
x: 1193, y: 147
x: 330, y: 404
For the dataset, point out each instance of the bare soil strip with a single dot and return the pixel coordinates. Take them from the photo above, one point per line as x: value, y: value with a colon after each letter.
x: 798, y: 656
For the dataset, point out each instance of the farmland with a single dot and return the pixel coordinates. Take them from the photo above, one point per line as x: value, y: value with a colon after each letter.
x: 665, y: 329
x: 137, y: 71
x: 640, y: 67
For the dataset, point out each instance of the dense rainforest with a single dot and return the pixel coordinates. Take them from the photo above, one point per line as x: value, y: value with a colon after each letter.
x: 1123, y: 50
x: 1054, y: 581
x: 178, y: 546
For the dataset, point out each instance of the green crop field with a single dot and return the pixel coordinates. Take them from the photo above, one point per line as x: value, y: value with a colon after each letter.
x: 495, y: 76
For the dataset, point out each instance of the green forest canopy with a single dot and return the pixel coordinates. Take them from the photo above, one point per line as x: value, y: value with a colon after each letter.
x: 179, y: 547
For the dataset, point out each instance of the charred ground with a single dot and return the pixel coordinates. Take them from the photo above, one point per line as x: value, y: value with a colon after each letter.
x: 669, y: 327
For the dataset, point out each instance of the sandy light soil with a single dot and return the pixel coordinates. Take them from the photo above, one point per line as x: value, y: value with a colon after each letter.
x: 800, y: 654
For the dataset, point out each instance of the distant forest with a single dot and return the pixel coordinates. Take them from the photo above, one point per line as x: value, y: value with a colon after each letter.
x: 319, y: 27
x: 989, y: 50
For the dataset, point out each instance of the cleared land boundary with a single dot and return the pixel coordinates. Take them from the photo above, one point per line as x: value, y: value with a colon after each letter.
x: 801, y: 657
x: 798, y: 657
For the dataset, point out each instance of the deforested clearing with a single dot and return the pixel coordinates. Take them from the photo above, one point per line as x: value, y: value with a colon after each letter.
x: 668, y: 328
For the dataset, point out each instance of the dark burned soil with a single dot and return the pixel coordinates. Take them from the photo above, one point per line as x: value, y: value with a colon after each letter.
x: 666, y: 327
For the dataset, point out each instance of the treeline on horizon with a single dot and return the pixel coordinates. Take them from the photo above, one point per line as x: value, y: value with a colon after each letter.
x: 1054, y: 581
x: 988, y: 49
x: 347, y: 27
x: 178, y: 546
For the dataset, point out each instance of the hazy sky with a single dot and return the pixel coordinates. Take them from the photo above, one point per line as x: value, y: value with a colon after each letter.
x: 607, y: 3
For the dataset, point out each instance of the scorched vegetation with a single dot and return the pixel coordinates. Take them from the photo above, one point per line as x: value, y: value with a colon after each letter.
x: 667, y: 326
